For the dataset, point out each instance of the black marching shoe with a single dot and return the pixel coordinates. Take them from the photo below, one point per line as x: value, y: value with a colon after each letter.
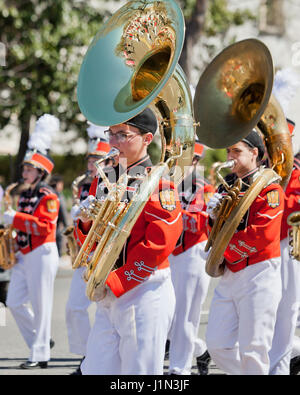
x: 78, y: 371
x: 203, y: 363
x: 34, y: 365
x: 295, y: 366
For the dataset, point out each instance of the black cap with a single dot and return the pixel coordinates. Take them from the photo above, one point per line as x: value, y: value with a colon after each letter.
x: 255, y: 141
x: 145, y: 121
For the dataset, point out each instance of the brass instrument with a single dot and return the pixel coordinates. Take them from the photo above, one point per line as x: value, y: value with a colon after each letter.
x: 212, y: 174
x: 234, y: 96
x: 294, y: 235
x: 7, y: 243
x: 140, y: 45
x: 71, y: 244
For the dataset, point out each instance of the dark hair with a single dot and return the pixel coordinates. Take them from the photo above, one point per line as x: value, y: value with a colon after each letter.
x: 253, y: 140
x: 55, y: 178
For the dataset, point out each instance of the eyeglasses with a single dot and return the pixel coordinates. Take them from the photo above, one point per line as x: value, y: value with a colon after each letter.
x: 120, y: 136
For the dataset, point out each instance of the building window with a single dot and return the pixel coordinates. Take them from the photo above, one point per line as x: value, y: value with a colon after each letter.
x: 271, y: 17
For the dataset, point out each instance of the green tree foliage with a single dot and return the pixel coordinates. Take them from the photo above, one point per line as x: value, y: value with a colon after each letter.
x: 45, y: 42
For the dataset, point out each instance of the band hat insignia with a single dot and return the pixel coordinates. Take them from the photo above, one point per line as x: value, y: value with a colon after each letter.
x: 199, y: 148
x: 98, y: 144
x: 40, y: 141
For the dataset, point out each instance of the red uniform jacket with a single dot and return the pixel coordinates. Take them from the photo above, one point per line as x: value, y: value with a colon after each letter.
x: 36, y: 217
x: 292, y: 200
x: 153, y: 236
x: 257, y: 238
x: 194, y: 193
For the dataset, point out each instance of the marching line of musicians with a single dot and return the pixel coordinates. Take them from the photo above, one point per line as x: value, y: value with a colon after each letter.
x: 153, y: 297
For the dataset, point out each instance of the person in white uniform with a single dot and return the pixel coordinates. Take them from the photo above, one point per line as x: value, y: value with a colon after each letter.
x: 134, y: 316
x: 189, y: 278
x: 243, y: 310
x: 77, y: 315
x: 287, y: 314
x: 32, y: 278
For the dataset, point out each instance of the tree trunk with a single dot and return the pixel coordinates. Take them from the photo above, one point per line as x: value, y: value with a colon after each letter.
x: 194, y: 29
x: 25, y: 128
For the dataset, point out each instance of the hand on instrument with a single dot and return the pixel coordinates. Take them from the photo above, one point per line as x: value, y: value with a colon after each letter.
x: 8, y: 216
x: 213, y: 205
x: 75, y: 211
x: 82, y: 211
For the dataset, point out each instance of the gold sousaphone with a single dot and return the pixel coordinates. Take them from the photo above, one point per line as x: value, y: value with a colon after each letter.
x: 130, y: 65
x: 234, y: 95
x: 7, y: 234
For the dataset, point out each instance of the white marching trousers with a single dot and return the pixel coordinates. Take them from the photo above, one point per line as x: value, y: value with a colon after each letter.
x: 287, y: 313
x: 191, y: 283
x: 77, y: 316
x: 130, y: 332
x: 32, y: 280
x: 242, y: 318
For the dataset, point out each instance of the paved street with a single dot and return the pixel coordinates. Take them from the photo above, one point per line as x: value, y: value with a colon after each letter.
x: 14, y: 350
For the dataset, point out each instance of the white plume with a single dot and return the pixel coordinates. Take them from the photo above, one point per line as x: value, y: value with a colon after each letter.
x: 286, y: 83
x: 45, y: 128
x: 95, y: 131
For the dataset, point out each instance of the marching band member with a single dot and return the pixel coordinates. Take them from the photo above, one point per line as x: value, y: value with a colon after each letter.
x: 133, y: 319
x: 287, y: 314
x: 189, y: 278
x: 32, y: 278
x: 286, y: 83
x: 77, y: 316
x: 243, y: 309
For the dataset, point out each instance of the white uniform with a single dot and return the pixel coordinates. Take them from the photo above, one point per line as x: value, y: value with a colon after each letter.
x: 240, y: 329
x: 243, y: 310
x: 129, y: 333
x: 77, y: 315
x: 32, y: 280
x: 191, y: 284
x: 287, y: 313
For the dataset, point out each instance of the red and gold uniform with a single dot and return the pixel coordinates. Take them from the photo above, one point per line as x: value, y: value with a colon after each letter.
x: 153, y: 236
x: 247, y: 296
x: 33, y: 276
x: 256, y: 238
x: 35, y: 221
x: 292, y: 198
x: 288, y: 309
x: 36, y: 217
x: 194, y: 194
x: 133, y: 320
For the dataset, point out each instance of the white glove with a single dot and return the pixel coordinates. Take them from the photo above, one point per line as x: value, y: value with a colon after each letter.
x: 75, y: 212
x: 87, y: 203
x: 213, y: 205
x: 81, y: 211
x: 8, y: 216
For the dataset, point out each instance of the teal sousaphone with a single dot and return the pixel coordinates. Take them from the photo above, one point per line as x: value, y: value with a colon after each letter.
x: 132, y: 64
